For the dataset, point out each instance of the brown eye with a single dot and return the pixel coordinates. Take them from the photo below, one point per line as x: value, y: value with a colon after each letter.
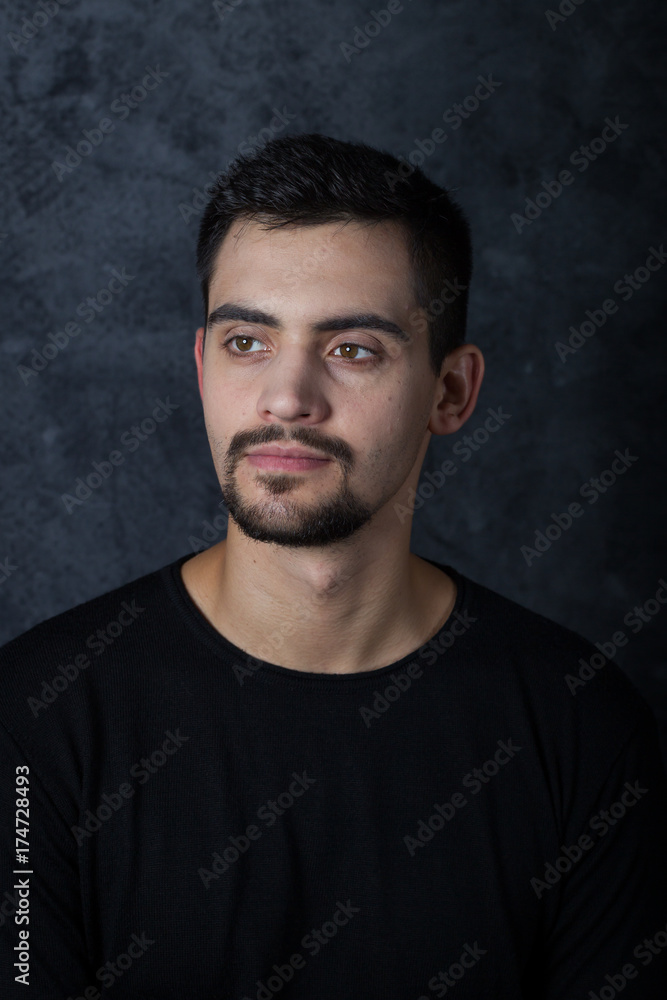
x: 243, y: 340
x: 240, y: 339
x: 351, y: 351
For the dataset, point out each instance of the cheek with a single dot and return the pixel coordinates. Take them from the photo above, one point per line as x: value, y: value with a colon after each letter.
x: 401, y: 421
x: 395, y: 435
x: 225, y: 409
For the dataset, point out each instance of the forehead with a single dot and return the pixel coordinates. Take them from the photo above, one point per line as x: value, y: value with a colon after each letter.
x: 326, y: 258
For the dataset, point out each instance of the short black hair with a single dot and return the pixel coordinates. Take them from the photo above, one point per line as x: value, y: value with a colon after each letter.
x: 311, y: 179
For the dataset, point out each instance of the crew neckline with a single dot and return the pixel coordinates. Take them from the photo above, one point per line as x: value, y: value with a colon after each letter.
x: 226, y: 650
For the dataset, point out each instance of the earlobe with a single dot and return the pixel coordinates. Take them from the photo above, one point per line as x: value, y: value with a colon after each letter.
x: 458, y: 389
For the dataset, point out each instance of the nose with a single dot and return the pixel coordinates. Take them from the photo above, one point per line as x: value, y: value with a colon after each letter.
x: 293, y: 388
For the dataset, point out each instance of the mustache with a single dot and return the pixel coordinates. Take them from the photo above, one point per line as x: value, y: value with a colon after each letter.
x: 307, y: 437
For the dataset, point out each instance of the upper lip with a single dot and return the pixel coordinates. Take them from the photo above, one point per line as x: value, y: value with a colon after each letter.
x: 290, y: 452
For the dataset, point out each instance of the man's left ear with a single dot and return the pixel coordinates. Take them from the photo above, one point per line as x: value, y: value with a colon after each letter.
x: 459, y: 384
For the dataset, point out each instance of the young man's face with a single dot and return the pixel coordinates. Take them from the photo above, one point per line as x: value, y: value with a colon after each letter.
x: 281, y: 382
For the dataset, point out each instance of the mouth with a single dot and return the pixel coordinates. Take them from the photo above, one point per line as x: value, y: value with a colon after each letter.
x: 286, y: 459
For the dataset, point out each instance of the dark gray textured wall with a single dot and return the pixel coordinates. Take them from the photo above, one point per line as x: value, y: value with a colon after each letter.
x: 132, y: 204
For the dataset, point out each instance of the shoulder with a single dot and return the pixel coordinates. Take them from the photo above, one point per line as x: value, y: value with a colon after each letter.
x: 561, y: 676
x: 121, y: 604
x: 40, y: 665
x: 581, y: 716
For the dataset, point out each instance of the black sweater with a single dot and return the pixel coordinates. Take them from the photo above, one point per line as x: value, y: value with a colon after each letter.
x: 484, y: 818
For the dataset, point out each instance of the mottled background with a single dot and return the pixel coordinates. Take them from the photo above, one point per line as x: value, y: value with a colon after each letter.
x: 134, y: 203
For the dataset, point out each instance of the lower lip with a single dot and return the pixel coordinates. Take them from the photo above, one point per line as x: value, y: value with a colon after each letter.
x: 287, y: 464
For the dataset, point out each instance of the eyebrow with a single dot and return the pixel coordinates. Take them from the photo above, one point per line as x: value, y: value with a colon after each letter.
x: 352, y: 321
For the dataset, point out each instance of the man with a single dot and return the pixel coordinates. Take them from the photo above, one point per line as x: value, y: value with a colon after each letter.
x: 309, y: 763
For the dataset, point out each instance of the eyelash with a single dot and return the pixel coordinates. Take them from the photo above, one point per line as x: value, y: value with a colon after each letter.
x: 346, y: 343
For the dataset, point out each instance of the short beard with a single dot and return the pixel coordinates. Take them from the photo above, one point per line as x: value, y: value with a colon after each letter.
x: 330, y: 521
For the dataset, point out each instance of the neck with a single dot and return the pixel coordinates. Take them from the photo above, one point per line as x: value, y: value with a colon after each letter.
x: 346, y: 608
